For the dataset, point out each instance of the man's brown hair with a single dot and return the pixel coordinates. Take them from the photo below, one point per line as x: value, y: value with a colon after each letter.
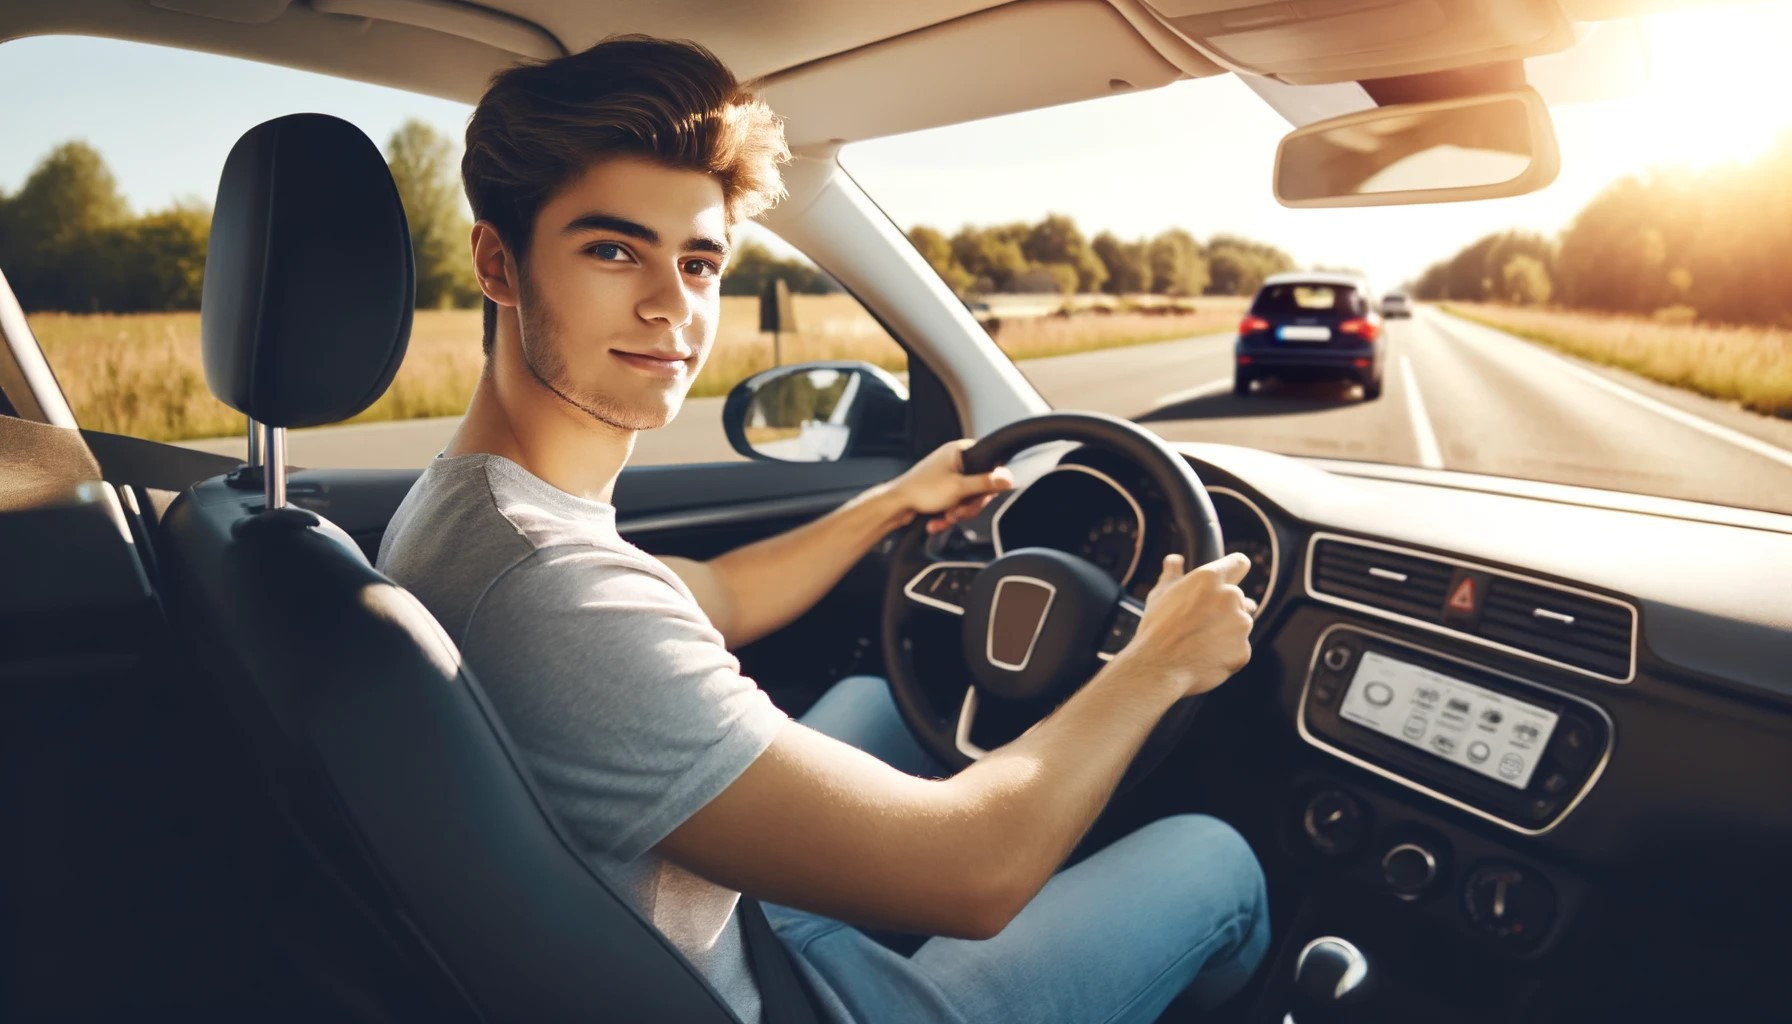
x: 540, y: 125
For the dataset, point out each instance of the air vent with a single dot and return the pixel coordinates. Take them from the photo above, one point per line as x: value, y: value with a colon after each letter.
x: 1405, y: 584
x: 1571, y: 628
x: 1574, y: 629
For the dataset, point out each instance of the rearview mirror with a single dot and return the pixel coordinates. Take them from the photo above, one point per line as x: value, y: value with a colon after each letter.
x: 1444, y: 151
x: 817, y: 412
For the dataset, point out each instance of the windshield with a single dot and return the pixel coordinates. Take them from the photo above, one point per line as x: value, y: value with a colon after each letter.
x: 1627, y: 327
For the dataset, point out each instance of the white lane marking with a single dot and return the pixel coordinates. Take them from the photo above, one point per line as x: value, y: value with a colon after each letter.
x: 1655, y: 405
x: 1212, y: 387
x: 1429, y: 455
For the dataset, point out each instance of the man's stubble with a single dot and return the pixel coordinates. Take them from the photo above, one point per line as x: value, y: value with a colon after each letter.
x: 541, y: 338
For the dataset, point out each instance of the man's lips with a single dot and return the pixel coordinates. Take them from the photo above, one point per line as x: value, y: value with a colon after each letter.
x: 659, y: 366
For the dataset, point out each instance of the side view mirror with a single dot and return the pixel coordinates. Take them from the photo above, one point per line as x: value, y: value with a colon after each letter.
x: 1481, y: 147
x: 817, y: 412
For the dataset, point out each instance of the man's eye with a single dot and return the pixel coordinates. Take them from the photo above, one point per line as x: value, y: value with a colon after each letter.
x: 700, y: 268
x: 609, y: 252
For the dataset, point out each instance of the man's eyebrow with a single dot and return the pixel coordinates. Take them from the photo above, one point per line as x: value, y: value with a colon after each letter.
x: 610, y: 222
x: 623, y: 226
x: 709, y: 245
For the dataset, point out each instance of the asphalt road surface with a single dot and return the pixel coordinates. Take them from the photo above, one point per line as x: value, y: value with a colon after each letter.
x: 1457, y: 396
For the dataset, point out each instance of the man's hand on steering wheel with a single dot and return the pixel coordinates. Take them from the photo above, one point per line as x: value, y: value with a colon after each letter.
x: 1197, y: 625
x: 938, y: 486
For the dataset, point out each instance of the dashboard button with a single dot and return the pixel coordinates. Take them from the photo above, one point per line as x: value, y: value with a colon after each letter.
x: 1575, y: 746
x: 1337, y: 657
x: 1479, y: 752
x: 1555, y: 783
x: 1379, y: 694
x: 1324, y: 692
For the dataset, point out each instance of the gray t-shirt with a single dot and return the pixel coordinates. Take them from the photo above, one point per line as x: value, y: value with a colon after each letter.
x: 614, y: 684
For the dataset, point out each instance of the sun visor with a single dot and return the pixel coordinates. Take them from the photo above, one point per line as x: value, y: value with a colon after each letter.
x: 1313, y: 42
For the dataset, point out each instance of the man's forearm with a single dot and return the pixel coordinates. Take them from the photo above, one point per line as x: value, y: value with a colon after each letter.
x: 1037, y: 796
x: 766, y: 585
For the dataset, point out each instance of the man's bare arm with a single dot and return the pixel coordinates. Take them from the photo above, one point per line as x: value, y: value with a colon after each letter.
x: 762, y: 587
x: 819, y: 825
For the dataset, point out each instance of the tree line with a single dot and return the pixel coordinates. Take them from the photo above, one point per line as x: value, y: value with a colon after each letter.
x: 1713, y: 245
x: 69, y: 241
x: 1055, y: 257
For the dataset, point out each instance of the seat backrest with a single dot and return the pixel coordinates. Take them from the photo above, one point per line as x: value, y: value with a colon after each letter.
x: 375, y: 736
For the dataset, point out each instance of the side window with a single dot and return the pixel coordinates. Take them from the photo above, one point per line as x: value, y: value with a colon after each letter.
x: 106, y: 187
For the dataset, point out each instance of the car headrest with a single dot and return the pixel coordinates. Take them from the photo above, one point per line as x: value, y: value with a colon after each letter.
x: 309, y: 282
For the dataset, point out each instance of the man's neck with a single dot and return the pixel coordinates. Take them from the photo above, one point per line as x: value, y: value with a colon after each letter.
x: 513, y: 415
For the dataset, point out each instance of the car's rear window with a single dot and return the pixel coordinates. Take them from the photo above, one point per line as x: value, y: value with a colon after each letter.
x: 1307, y: 300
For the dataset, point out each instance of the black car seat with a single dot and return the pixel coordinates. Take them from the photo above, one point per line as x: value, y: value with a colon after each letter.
x: 376, y: 739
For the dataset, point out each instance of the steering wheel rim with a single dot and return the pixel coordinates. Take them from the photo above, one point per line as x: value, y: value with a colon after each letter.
x: 944, y: 736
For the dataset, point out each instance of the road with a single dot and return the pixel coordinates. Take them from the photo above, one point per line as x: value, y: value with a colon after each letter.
x: 1457, y: 396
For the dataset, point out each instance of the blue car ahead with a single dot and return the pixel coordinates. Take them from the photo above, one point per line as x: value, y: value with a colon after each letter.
x: 1311, y: 326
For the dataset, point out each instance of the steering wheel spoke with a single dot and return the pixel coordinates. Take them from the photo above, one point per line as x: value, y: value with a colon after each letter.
x: 943, y: 586
x: 967, y: 714
x: 1125, y: 623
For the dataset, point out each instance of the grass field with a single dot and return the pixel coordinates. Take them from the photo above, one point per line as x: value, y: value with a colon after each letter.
x: 141, y: 374
x: 1751, y: 366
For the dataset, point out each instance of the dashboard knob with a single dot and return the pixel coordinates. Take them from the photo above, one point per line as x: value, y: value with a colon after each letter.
x: 1508, y: 902
x: 1333, y: 821
x: 1409, y: 870
x: 1336, y: 657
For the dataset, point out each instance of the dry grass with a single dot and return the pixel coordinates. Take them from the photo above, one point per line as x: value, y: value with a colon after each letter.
x: 141, y: 374
x: 1748, y: 365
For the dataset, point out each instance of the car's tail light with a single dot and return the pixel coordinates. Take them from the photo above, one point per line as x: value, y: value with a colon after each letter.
x: 1244, y: 360
x: 1252, y: 324
x: 1361, y: 364
x: 1363, y: 327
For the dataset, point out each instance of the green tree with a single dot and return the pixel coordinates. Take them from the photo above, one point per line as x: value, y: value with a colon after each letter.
x: 423, y: 166
x: 992, y: 256
x: 1127, y: 263
x: 46, y: 246
x: 1057, y: 241
x: 1238, y: 266
x: 1524, y: 281
x: 1177, y: 265
x: 752, y: 265
x: 936, y: 249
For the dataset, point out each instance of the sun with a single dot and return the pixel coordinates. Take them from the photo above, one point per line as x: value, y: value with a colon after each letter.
x: 1718, y: 92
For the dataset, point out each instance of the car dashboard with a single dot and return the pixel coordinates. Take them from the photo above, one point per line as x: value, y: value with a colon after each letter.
x: 1504, y: 718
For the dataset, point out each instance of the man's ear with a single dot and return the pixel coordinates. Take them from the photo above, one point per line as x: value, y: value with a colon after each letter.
x: 493, y: 266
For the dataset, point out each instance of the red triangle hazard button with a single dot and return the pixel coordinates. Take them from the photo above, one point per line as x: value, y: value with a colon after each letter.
x: 1463, y: 599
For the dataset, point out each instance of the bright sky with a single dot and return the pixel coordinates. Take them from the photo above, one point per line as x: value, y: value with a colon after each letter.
x: 1196, y: 154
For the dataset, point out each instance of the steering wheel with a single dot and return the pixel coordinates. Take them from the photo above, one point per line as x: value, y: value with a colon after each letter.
x: 1035, y: 624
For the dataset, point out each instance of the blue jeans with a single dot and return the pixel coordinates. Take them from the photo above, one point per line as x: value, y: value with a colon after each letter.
x: 1177, y: 905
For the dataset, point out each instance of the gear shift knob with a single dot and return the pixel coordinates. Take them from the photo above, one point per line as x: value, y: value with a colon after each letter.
x: 1330, y: 977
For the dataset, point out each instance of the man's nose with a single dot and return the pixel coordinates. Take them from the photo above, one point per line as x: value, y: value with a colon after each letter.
x: 667, y: 299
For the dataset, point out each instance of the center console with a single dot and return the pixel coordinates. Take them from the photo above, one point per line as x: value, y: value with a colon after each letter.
x: 1504, y: 748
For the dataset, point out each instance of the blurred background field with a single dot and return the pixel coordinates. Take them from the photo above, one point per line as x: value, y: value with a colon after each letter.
x: 140, y: 373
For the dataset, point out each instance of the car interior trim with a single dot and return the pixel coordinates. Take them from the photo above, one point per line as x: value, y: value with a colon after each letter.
x: 914, y: 595
x: 1300, y: 721
x: 1269, y: 530
x: 806, y: 505
x: 1344, y: 602
x: 966, y: 713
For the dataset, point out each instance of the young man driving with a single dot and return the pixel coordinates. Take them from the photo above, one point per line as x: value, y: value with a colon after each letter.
x: 607, y: 185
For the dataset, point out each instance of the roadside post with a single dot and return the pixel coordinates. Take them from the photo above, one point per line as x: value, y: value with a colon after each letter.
x: 776, y: 314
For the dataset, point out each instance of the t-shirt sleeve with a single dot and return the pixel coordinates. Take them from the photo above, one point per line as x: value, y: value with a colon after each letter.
x: 626, y: 704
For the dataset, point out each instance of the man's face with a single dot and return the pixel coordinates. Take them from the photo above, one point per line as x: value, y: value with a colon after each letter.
x: 621, y: 289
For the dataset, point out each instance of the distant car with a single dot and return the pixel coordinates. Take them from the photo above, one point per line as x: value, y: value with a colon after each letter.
x: 1396, y: 304
x: 1310, y: 325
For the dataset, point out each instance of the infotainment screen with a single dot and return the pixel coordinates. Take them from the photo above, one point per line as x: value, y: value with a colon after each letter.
x: 1498, y: 736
